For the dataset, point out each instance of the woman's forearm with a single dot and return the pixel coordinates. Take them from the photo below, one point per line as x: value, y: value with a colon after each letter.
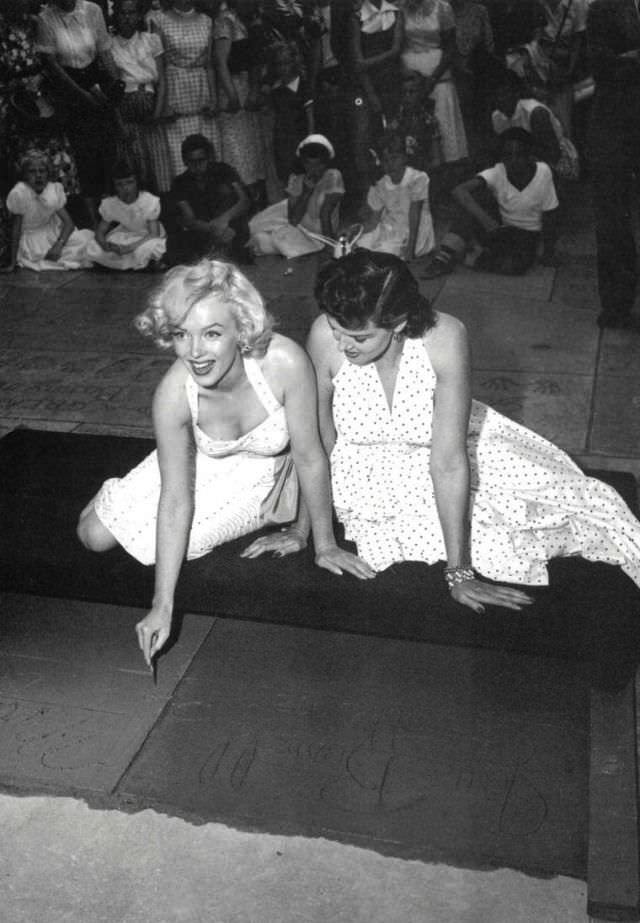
x: 297, y: 206
x: 315, y: 503
x: 172, y: 538
x: 451, y: 491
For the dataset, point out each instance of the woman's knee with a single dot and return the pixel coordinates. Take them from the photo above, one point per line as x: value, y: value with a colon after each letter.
x: 93, y: 534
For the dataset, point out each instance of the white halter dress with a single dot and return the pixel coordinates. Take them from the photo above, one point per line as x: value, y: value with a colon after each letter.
x: 529, y: 501
x: 233, y: 478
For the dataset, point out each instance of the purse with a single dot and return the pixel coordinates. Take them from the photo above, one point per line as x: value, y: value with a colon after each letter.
x: 281, y: 503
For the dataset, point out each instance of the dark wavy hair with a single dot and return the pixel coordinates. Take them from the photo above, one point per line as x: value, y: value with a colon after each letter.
x: 369, y: 286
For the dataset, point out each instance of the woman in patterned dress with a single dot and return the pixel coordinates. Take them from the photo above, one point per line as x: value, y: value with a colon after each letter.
x: 190, y: 103
x: 429, y: 47
x: 139, y: 57
x: 238, y: 63
x: 419, y: 471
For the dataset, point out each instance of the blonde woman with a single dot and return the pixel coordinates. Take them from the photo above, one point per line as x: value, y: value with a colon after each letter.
x: 232, y: 416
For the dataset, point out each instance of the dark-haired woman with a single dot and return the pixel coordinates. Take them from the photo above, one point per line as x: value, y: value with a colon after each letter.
x: 419, y: 471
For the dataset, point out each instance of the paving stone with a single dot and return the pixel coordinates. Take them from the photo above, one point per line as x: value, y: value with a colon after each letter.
x: 555, y: 406
x: 619, y: 354
x: 535, y: 284
x: 616, y: 416
x: 576, y: 285
x: 78, y: 387
x: 526, y: 335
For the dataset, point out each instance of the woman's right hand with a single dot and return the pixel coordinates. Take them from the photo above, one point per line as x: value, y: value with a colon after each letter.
x: 153, y: 631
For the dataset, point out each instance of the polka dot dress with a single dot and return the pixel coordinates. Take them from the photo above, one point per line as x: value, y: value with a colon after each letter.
x: 233, y: 477
x: 529, y: 501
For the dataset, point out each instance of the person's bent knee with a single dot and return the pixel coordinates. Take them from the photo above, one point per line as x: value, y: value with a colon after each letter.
x: 93, y: 534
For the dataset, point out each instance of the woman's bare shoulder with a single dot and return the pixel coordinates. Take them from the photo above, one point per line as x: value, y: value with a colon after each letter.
x: 170, y: 396
x: 446, y: 340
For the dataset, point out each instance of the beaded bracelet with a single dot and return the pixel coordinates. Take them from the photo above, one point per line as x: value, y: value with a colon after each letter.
x: 456, y: 575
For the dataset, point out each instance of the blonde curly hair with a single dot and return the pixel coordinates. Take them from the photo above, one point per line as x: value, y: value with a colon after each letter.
x: 184, y: 286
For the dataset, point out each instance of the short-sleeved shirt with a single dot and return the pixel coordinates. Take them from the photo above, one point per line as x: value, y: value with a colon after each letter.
x: 135, y: 59
x: 216, y: 197
x: 522, y: 208
x: 36, y: 208
x: 75, y: 38
x: 131, y: 215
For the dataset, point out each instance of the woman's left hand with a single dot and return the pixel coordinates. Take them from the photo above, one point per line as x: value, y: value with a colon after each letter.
x: 476, y: 594
x: 286, y: 541
x: 54, y: 253
x: 337, y: 560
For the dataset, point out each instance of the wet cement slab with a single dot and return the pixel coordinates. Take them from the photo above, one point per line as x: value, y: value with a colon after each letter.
x: 412, y: 749
x: 76, y: 699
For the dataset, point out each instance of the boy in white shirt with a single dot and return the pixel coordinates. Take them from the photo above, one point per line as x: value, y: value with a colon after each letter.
x: 507, y: 209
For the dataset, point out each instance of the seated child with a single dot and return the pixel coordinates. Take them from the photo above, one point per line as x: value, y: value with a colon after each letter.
x: 129, y: 235
x: 212, y: 206
x: 399, y: 218
x: 515, y: 109
x: 43, y: 235
x: 507, y: 208
x: 313, y: 203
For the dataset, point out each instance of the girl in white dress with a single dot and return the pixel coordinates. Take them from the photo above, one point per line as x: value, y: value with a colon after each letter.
x: 420, y: 472
x: 399, y: 206
x: 312, y: 204
x: 43, y: 235
x: 227, y: 412
x: 129, y: 235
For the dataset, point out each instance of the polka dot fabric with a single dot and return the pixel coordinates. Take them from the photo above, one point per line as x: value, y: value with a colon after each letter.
x: 529, y: 501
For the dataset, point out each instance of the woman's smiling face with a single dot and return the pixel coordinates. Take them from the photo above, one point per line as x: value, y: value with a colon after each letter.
x: 207, y: 341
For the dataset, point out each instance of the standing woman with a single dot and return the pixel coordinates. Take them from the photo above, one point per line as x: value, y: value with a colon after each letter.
x: 139, y: 58
x: 73, y: 38
x: 238, y: 62
x: 190, y: 102
x: 429, y: 48
x: 375, y: 41
x: 27, y: 118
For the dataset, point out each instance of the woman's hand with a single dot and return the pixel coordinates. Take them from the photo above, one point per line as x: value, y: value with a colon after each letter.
x: 286, y: 541
x: 54, y: 253
x: 153, y: 631
x: 233, y: 105
x: 476, y: 594
x: 338, y: 561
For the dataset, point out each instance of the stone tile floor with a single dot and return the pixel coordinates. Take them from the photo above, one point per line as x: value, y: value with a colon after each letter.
x: 71, y: 359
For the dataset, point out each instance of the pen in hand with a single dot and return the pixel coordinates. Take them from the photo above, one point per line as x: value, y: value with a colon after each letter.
x: 153, y: 669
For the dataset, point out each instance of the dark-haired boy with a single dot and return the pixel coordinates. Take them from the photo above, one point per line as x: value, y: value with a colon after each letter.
x: 508, y: 209
x: 211, y: 207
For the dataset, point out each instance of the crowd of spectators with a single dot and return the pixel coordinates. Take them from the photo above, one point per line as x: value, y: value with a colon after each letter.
x: 94, y: 84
